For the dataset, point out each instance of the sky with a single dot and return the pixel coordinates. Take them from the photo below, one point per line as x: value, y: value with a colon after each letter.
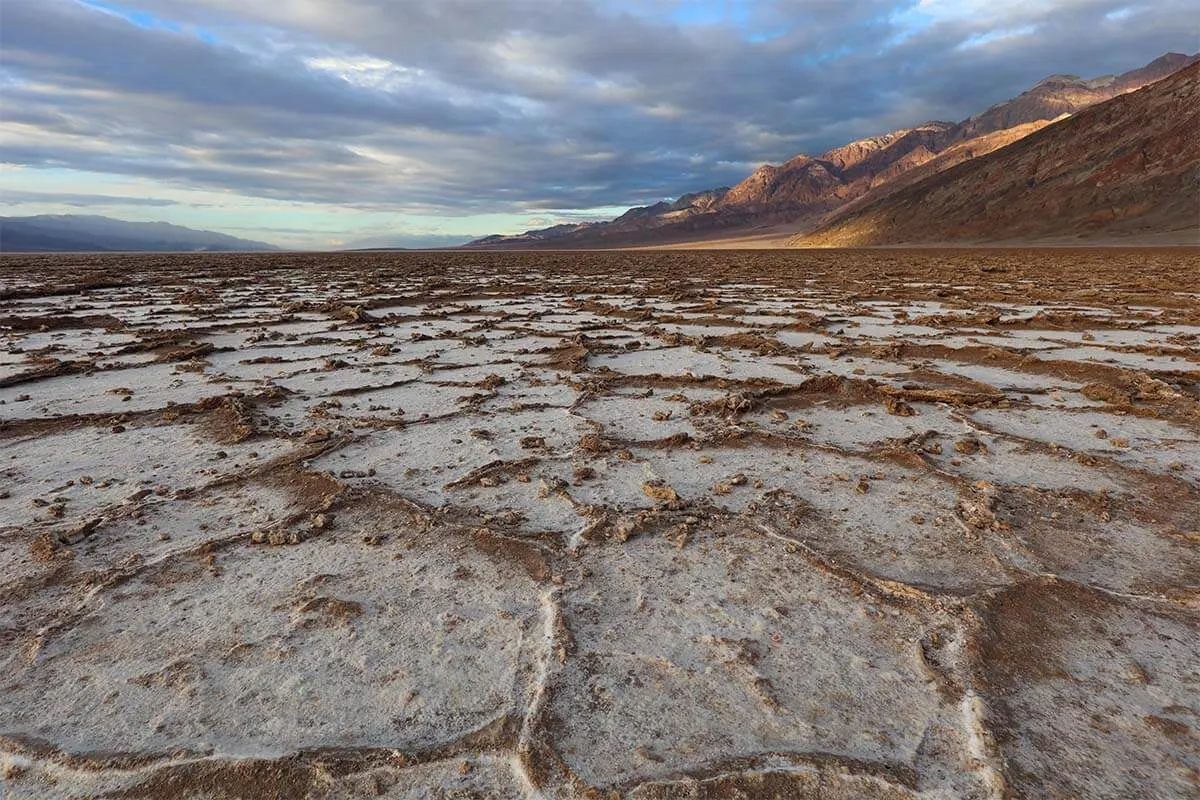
x: 318, y: 124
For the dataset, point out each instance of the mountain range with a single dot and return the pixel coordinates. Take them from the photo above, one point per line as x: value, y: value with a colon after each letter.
x: 821, y: 199
x: 85, y: 233
x: 1125, y: 169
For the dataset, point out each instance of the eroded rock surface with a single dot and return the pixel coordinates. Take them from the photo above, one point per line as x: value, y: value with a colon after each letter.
x: 881, y: 525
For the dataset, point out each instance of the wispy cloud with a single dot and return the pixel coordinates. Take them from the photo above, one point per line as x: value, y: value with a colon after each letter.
x: 21, y: 197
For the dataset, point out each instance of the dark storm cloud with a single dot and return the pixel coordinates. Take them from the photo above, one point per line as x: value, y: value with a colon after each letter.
x: 467, y: 106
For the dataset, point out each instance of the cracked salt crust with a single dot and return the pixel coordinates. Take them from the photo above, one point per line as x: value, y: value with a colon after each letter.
x: 1136, y: 361
x: 88, y: 470
x: 1145, y: 443
x: 1006, y: 380
x: 774, y: 669
x: 151, y: 386
x: 272, y: 634
x: 471, y: 540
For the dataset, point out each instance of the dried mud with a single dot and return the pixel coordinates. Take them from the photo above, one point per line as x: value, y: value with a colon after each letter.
x: 656, y: 525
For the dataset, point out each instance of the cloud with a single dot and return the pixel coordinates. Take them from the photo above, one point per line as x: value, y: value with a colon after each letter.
x: 14, y: 197
x: 525, y: 107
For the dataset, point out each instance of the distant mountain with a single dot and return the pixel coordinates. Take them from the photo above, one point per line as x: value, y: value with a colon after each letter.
x: 806, y: 189
x: 667, y: 214
x: 80, y: 233
x: 1125, y: 167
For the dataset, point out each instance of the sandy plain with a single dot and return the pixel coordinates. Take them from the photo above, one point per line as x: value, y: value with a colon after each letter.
x: 887, y: 524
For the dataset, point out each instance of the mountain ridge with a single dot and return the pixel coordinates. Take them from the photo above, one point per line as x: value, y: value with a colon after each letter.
x: 1123, y: 167
x: 805, y: 189
x: 49, y: 233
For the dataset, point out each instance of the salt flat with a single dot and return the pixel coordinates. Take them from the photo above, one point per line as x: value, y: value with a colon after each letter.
x: 841, y: 525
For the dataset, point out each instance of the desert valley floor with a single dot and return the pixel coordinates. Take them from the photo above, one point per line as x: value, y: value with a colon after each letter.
x: 652, y: 525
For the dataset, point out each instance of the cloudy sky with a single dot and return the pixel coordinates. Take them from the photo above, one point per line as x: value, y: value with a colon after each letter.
x: 323, y: 123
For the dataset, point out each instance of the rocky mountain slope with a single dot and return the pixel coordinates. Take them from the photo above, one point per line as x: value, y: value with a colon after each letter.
x: 1068, y: 94
x: 952, y: 156
x: 1128, y: 166
x: 805, y: 189
x: 84, y: 233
